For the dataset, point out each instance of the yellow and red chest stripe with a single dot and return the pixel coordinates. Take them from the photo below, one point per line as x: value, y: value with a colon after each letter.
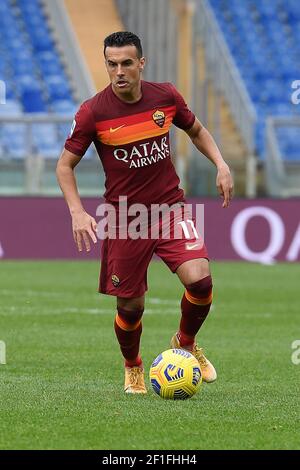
x: 134, y: 127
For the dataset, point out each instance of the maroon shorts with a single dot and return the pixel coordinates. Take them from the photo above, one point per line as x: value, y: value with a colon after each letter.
x: 125, y: 262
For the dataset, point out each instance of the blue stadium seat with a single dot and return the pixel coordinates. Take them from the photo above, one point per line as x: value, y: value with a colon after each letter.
x: 40, y: 41
x: 288, y: 139
x: 13, y: 138
x: 46, y: 140
x: 57, y: 87
x: 24, y: 66
x: 33, y: 101
x: 49, y: 63
x: 64, y: 107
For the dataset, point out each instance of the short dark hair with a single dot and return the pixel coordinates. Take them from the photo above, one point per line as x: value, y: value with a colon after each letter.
x: 123, y: 38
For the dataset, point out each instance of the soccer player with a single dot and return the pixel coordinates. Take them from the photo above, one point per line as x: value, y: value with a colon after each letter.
x: 129, y: 123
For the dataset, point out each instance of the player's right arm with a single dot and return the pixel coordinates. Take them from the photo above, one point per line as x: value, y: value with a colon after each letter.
x: 82, y: 134
x: 84, y: 226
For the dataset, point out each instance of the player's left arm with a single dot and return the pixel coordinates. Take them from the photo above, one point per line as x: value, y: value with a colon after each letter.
x: 205, y: 143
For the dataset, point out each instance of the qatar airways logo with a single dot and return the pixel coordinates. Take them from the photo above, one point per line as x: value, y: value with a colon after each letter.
x: 277, y: 236
x: 144, y: 154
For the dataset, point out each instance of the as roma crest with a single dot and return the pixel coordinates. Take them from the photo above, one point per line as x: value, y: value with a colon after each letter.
x: 159, y: 118
x: 115, y: 280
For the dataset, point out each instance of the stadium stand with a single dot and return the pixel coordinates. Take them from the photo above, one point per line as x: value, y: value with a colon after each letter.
x: 37, y: 51
x: 39, y: 56
x: 264, y: 39
x: 35, y: 78
x: 30, y: 61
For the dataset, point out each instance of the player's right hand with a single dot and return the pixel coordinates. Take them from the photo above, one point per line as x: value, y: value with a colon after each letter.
x: 84, y: 227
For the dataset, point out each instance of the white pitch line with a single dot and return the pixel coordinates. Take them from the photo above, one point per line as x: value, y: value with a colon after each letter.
x: 32, y: 293
x: 83, y: 311
x: 36, y: 293
x: 158, y: 306
x: 156, y: 301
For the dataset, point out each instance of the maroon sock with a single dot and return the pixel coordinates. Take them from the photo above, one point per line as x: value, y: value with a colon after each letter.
x: 195, y: 305
x: 128, y: 328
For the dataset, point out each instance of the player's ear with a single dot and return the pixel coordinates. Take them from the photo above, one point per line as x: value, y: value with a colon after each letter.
x: 142, y: 63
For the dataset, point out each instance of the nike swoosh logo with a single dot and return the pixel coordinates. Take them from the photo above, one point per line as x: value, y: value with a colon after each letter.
x: 111, y: 130
x: 192, y: 247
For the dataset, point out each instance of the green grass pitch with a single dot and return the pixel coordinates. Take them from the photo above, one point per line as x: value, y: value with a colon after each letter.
x: 62, y: 386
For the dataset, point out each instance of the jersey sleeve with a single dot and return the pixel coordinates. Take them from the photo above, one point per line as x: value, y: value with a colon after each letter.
x: 82, y: 131
x: 184, y: 118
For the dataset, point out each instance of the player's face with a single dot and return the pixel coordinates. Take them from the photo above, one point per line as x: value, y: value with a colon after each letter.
x: 124, y: 68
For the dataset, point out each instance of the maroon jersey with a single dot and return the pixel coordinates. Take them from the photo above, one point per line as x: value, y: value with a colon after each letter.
x: 132, y: 141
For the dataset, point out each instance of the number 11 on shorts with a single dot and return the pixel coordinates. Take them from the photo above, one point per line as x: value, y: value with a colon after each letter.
x: 185, y: 228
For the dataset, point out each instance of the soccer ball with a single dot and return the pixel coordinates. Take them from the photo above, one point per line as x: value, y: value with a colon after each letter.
x: 175, y: 374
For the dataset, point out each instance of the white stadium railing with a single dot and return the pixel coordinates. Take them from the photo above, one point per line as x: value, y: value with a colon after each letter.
x: 33, y: 172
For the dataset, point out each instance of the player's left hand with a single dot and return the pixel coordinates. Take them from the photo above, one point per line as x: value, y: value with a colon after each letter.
x: 225, y: 184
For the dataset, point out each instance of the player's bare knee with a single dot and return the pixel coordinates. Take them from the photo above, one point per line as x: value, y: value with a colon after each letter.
x: 134, y: 304
x: 193, y: 271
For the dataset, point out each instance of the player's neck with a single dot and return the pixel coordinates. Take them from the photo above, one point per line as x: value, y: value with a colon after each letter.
x: 132, y: 96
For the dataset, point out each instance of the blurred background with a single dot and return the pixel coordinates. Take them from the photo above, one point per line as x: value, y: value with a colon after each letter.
x: 236, y: 62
